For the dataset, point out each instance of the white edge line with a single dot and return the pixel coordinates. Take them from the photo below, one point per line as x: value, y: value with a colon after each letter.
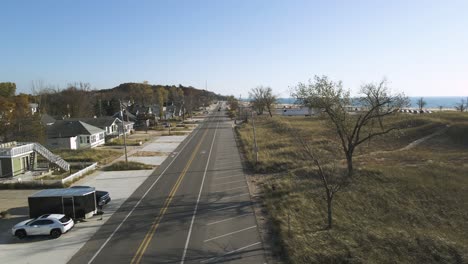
x: 230, y: 233
x: 230, y: 252
x: 139, y: 201
x: 227, y: 219
x: 198, y: 199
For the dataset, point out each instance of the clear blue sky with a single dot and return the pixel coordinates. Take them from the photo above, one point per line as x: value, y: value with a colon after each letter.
x: 421, y: 47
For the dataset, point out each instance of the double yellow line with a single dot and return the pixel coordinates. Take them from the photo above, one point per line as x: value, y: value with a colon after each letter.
x: 149, y: 236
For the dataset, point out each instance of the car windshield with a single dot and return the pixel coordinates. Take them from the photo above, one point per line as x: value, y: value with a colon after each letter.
x: 30, y: 221
x: 64, y: 219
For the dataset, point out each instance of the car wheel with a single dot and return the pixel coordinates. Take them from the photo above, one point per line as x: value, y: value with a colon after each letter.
x: 20, y: 234
x: 55, y: 233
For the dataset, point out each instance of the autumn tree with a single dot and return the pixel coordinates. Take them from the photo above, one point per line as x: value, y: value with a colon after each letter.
x: 189, y: 101
x: 25, y: 126
x: 76, y: 100
x: 142, y: 93
x: 376, y: 101
x: 7, y: 89
x: 17, y: 122
x: 233, y: 105
x: 161, y: 97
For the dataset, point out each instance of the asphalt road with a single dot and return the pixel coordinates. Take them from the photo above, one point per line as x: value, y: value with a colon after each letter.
x: 195, y: 208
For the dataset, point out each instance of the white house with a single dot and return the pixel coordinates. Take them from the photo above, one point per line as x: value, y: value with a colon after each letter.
x: 298, y: 111
x: 111, y: 125
x: 72, y: 134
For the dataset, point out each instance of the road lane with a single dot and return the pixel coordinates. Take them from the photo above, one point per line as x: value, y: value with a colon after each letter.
x: 225, y: 229
x: 153, y: 224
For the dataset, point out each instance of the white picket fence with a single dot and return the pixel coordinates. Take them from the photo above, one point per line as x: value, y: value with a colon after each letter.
x: 79, y: 173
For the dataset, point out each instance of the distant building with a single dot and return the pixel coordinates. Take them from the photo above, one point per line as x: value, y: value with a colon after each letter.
x: 69, y: 134
x: 33, y: 107
x: 297, y: 111
x: 111, y: 125
x: 47, y: 120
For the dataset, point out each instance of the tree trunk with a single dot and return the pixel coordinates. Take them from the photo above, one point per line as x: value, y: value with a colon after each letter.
x: 349, y: 160
x: 330, y: 213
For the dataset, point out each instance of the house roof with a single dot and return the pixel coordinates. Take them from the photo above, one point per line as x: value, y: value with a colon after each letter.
x: 127, y: 115
x: 101, y: 122
x: 47, y: 119
x: 71, y: 128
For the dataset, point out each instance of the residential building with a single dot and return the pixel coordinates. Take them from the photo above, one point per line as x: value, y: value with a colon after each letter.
x: 111, y: 125
x: 19, y: 157
x: 74, y: 134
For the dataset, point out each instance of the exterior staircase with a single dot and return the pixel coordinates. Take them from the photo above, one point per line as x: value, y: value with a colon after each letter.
x: 51, y: 156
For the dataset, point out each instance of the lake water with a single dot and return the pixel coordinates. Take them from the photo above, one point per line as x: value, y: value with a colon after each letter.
x: 432, y: 101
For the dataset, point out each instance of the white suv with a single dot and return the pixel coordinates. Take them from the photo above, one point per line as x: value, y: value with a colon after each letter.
x: 48, y: 224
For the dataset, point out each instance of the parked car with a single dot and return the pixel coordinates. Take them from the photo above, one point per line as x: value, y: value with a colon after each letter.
x: 53, y: 225
x: 102, y: 197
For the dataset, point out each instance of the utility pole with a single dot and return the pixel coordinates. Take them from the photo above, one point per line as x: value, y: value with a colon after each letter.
x: 100, y: 108
x: 124, y: 134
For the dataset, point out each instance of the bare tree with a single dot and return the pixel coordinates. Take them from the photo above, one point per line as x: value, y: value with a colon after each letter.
x: 462, y: 106
x: 256, y: 94
x: 333, y: 180
x: 421, y: 103
x: 269, y: 99
x: 262, y: 97
x: 376, y: 102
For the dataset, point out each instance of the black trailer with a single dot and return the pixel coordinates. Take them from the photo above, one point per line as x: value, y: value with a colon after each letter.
x: 74, y: 203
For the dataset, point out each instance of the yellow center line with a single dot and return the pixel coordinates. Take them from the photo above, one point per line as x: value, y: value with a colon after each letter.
x: 149, y: 236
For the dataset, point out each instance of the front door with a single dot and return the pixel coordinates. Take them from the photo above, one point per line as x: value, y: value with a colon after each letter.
x: 68, y: 207
x: 25, y: 161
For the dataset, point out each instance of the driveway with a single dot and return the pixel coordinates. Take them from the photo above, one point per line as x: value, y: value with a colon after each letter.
x: 120, y: 184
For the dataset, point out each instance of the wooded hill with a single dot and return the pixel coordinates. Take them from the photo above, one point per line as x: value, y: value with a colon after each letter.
x: 19, y: 122
x: 78, y: 100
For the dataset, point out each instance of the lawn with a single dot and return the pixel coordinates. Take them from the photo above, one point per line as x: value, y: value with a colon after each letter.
x: 401, y: 207
x: 103, y: 156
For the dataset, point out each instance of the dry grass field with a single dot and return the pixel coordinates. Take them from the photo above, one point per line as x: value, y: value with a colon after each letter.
x: 403, y: 205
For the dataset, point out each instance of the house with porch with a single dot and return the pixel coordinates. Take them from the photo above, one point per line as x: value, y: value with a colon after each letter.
x: 111, y: 125
x: 74, y: 134
x: 19, y: 157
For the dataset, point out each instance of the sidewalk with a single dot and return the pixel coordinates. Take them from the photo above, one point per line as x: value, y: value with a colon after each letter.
x: 120, y: 185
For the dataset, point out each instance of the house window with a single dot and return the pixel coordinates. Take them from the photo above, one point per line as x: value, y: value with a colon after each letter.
x: 87, y: 140
x: 101, y: 136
